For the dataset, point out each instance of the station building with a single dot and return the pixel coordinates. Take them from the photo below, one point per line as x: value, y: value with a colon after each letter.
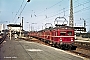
x: 2, y: 27
x: 80, y: 29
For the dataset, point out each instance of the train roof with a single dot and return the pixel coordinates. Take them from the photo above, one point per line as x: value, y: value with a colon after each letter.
x: 62, y: 27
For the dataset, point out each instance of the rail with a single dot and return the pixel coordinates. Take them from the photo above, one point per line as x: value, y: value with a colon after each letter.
x: 2, y: 38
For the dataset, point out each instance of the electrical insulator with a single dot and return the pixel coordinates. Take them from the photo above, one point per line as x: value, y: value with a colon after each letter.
x: 28, y: 1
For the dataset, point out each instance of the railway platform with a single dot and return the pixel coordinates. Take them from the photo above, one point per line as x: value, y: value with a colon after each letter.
x: 19, y: 49
x: 83, y: 40
x: 80, y: 39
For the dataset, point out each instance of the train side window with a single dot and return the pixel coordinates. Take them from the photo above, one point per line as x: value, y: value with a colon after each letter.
x: 69, y: 33
x: 62, y: 33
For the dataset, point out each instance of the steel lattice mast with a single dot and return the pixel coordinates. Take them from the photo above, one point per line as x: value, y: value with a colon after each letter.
x: 71, y: 21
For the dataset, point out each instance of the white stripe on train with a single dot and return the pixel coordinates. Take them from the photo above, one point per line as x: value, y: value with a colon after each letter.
x: 59, y: 36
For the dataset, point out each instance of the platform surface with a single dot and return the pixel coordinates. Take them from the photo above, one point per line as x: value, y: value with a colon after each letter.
x: 23, y: 50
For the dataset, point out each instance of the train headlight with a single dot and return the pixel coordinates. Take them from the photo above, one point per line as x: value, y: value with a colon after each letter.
x: 60, y: 39
x: 71, y: 39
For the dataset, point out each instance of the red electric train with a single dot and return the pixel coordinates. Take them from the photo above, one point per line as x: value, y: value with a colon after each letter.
x: 61, y: 36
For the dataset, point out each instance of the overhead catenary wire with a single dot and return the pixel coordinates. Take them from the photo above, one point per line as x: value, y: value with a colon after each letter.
x: 46, y: 9
x: 69, y: 9
x: 21, y: 11
x: 61, y: 9
x: 50, y: 7
x: 76, y: 6
x: 18, y: 11
x: 84, y: 9
x: 65, y: 8
x: 82, y: 4
x: 53, y: 6
x: 87, y: 8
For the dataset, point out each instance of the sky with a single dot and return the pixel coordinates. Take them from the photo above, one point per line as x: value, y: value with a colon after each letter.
x: 37, y: 13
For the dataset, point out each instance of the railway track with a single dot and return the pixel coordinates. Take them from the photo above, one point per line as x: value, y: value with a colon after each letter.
x: 82, y: 49
x: 80, y: 53
x: 82, y: 45
x: 2, y: 39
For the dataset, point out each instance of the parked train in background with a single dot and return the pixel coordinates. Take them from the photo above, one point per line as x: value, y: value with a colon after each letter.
x: 61, y: 36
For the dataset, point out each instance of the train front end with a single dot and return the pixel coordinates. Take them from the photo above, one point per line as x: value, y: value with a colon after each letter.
x: 66, y: 38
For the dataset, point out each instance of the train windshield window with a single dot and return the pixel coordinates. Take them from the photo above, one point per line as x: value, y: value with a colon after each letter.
x: 69, y: 33
x: 62, y: 33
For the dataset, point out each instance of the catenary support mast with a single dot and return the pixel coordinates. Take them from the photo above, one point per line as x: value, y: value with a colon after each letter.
x: 71, y: 20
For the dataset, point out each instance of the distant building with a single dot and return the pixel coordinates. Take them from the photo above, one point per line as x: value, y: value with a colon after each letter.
x: 2, y: 27
x: 80, y: 29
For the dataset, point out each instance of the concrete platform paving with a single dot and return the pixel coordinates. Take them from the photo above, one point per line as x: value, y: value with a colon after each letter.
x: 23, y: 50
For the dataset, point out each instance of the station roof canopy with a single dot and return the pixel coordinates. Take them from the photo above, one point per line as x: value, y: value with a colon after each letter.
x: 14, y: 25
